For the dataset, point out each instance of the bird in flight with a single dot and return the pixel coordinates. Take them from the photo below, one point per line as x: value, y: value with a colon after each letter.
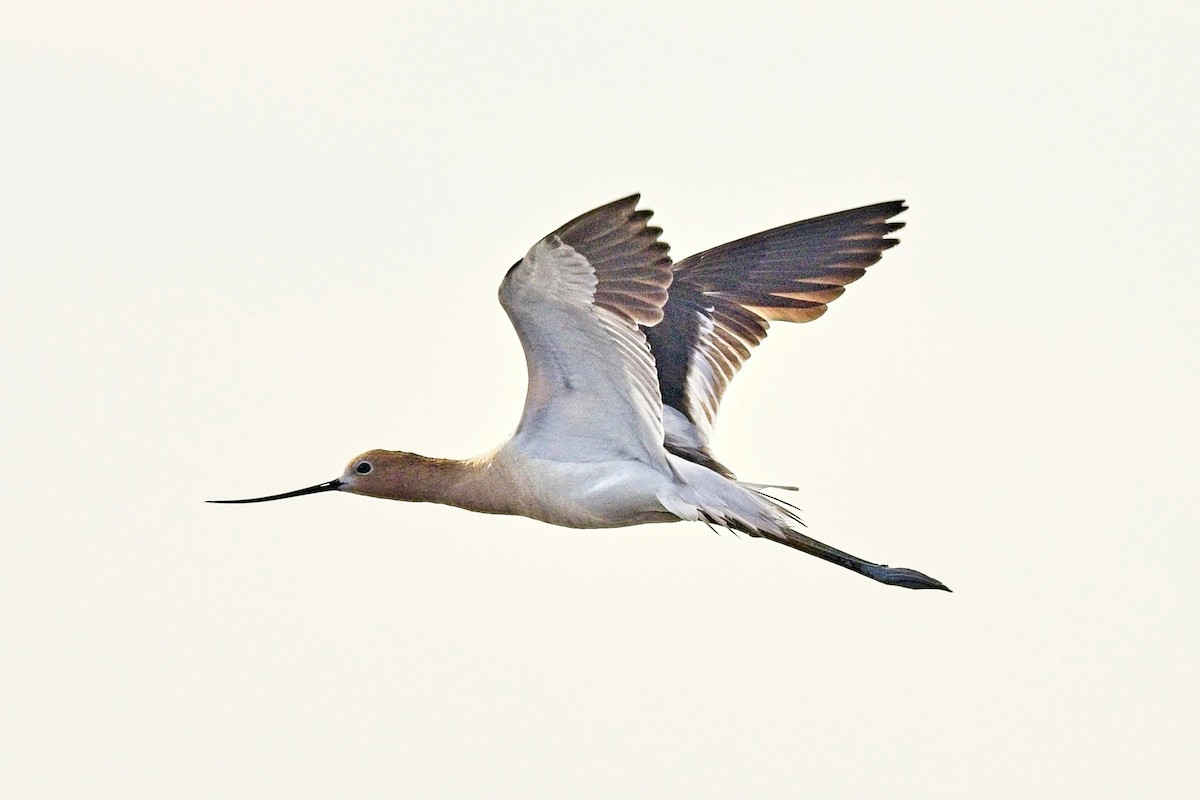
x: 628, y: 356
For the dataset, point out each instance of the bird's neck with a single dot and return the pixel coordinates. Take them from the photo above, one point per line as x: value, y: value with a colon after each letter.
x: 475, y: 484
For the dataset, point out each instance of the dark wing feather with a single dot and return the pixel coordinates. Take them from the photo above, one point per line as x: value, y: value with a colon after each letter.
x: 633, y: 269
x: 722, y: 300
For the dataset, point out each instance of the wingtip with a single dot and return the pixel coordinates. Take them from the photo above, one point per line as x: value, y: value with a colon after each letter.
x: 629, y: 201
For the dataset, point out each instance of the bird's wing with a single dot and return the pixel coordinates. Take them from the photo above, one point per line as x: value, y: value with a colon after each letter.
x: 723, y: 299
x: 577, y: 300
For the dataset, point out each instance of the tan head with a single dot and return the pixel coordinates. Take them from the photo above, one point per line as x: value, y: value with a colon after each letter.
x: 391, y: 474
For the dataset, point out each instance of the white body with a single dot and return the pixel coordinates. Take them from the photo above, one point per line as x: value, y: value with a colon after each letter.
x: 613, y: 494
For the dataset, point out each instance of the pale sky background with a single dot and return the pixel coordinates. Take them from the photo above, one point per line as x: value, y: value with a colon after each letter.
x: 242, y: 242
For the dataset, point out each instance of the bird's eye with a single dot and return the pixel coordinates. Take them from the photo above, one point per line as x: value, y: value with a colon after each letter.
x: 363, y: 468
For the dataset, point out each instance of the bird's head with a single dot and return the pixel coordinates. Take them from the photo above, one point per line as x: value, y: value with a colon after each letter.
x: 375, y: 473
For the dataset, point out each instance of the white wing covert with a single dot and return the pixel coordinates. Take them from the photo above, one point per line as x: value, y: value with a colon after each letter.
x: 577, y: 300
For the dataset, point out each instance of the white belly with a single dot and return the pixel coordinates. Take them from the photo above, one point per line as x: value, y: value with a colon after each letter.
x: 588, y: 494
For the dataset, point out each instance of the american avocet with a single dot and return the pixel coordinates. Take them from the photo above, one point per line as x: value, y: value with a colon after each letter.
x: 628, y: 357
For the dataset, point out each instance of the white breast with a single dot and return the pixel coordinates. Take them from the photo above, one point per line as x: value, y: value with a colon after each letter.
x: 586, y: 494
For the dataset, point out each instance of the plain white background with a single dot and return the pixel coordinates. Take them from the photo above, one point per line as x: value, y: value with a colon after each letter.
x: 242, y: 242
